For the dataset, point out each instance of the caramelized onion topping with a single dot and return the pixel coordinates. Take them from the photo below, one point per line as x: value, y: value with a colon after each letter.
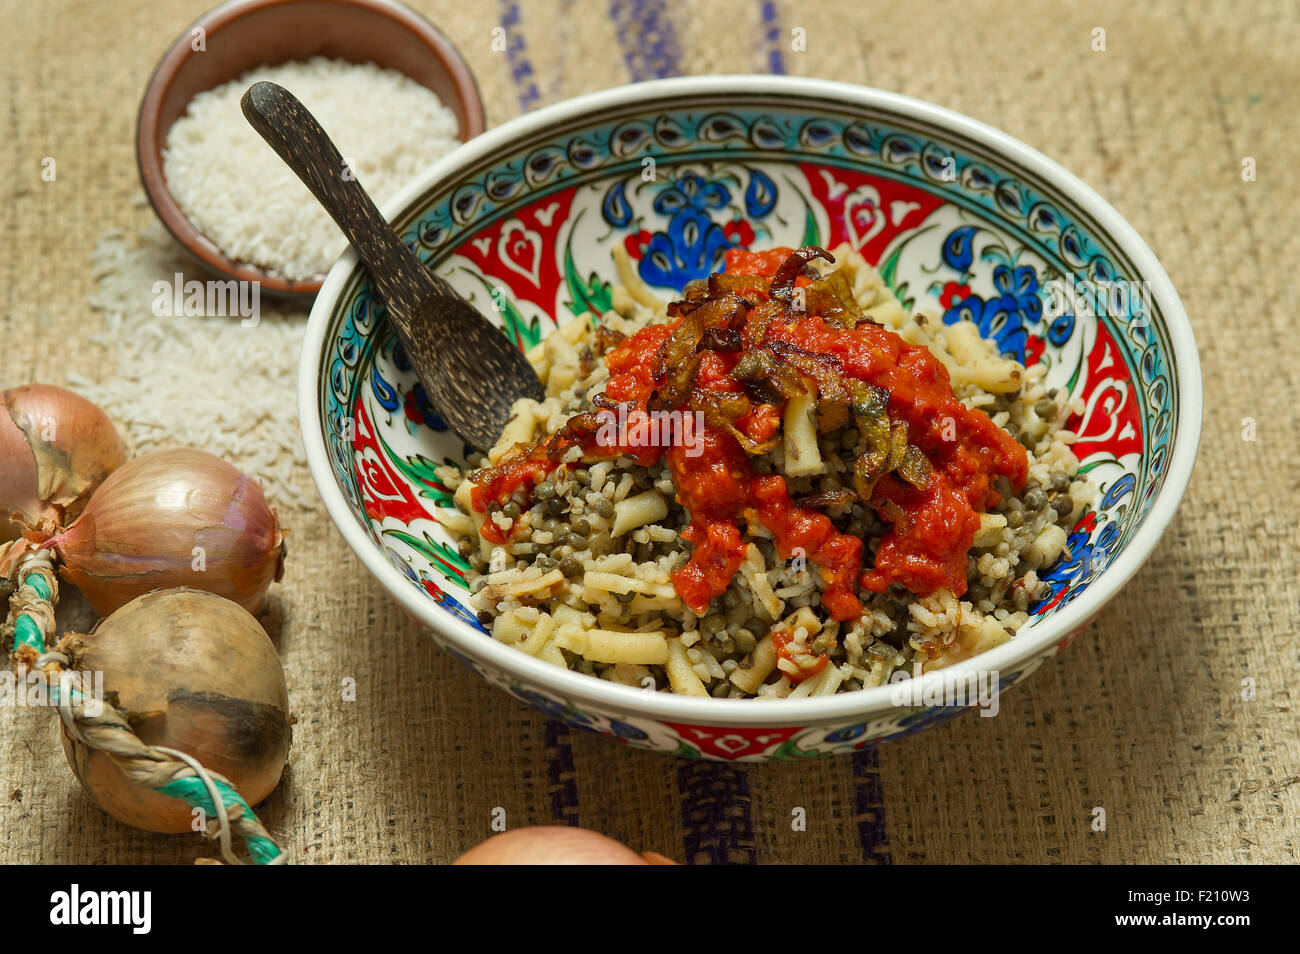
x: 790, y: 270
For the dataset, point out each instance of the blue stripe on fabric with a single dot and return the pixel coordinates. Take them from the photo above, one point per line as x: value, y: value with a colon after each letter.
x: 521, y: 68
x: 647, y: 37
x: 770, y: 18
x: 869, y: 805
x: 561, y: 774
x: 717, y: 824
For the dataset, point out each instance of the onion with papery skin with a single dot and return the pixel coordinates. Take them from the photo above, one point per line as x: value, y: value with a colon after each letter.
x: 177, y: 517
x: 556, y: 845
x: 55, y: 449
x: 192, y: 672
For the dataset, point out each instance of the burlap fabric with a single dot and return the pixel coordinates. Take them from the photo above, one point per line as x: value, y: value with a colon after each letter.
x: 1144, y: 716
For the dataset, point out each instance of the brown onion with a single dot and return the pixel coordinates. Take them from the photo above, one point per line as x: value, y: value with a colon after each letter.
x: 555, y: 845
x: 177, y: 517
x: 192, y: 672
x: 55, y: 449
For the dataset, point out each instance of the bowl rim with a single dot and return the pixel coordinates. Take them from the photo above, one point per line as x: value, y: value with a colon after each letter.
x: 662, y: 706
x: 148, y: 135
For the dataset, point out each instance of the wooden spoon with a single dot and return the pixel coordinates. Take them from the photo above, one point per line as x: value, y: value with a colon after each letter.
x: 472, y: 372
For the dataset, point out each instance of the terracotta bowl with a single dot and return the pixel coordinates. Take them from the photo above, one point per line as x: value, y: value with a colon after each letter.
x: 245, y: 34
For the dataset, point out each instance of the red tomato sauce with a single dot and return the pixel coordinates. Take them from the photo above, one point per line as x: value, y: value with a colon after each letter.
x: 739, y: 261
x: 966, y: 450
x: 787, y: 648
x: 713, y: 486
x: 838, y: 555
x: 502, y: 482
x: 931, y: 529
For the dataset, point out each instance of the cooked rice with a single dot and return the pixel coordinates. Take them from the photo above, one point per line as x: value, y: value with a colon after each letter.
x: 567, y: 589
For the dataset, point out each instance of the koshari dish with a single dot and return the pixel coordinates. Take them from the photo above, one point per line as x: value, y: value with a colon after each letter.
x: 781, y: 485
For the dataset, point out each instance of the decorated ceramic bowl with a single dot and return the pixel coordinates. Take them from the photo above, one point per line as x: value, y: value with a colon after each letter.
x: 963, y: 222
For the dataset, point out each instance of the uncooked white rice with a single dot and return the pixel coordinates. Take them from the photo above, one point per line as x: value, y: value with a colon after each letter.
x: 197, y: 381
x: 236, y: 191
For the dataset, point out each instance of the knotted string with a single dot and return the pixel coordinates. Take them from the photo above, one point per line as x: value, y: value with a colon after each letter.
x: 29, y: 627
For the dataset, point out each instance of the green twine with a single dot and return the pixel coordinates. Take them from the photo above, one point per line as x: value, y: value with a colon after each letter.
x: 194, y: 793
x: 27, y: 633
x: 26, y: 630
x: 190, y: 790
x: 40, y: 584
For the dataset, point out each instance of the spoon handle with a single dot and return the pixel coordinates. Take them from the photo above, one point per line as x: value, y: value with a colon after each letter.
x: 293, y: 132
